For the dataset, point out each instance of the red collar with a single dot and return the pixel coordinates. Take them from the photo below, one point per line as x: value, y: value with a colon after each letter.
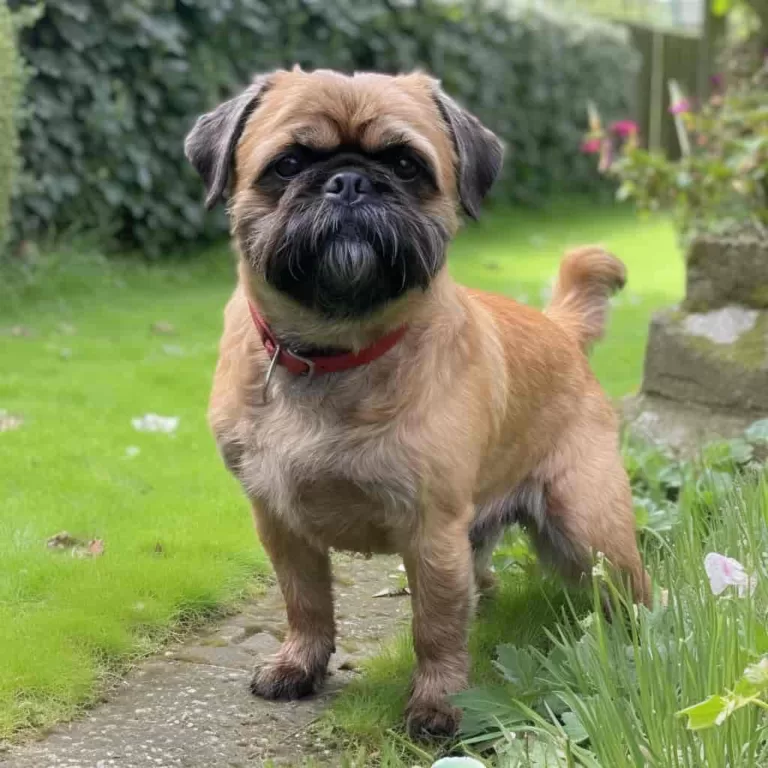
x: 320, y: 364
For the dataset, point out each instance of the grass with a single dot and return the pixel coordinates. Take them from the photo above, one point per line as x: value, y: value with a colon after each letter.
x: 80, y: 360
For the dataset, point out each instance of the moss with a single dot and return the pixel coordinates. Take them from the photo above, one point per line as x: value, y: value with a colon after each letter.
x: 749, y: 351
x: 759, y: 297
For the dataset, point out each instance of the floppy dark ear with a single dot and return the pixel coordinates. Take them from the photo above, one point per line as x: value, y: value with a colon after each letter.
x: 480, y: 153
x: 210, y: 145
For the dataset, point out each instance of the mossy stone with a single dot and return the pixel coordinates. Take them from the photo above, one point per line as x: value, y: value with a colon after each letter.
x: 717, y: 359
x: 724, y: 271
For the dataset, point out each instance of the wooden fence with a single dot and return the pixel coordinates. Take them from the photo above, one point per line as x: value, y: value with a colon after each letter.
x: 666, y: 56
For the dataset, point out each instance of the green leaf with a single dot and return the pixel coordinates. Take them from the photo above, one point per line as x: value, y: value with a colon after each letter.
x: 574, y: 728
x: 741, y: 451
x: 705, y: 714
x: 761, y: 639
x: 672, y: 476
x: 758, y: 432
x: 517, y: 666
x: 530, y: 752
x: 485, y: 708
x: 721, y: 7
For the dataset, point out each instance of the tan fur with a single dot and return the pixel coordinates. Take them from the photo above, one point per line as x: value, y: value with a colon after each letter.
x: 587, y: 276
x: 480, y: 398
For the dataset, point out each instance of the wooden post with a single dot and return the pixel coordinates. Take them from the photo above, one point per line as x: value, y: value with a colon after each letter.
x: 714, y: 28
x: 657, y: 91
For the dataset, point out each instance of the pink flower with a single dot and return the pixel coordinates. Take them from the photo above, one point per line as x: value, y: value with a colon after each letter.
x: 724, y: 572
x: 624, y: 128
x: 680, y: 107
x: 591, y: 146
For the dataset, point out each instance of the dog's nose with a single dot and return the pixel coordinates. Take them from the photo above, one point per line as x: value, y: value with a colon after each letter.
x: 348, y: 187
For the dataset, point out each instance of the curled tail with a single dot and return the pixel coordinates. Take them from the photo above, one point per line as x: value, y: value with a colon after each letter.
x: 588, y: 277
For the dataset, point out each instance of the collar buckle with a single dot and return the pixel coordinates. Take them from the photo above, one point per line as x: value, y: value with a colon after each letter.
x: 310, y: 364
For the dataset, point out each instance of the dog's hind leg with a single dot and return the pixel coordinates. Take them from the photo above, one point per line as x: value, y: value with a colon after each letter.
x: 588, y: 510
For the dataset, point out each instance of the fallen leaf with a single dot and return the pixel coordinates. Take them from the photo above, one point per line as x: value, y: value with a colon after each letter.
x: 76, y: 547
x: 95, y: 548
x: 163, y: 328
x: 9, y: 421
x: 62, y: 540
x: 393, y: 592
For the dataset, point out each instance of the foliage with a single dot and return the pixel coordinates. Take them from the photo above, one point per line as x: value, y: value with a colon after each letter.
x: 756, y: 12
x: 117, y: 86
x: 720, y: 181
x: 10, y: 87
x: 644, y: 673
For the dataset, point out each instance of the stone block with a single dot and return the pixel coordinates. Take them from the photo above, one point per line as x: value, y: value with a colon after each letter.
x: 717, y: 359
x: 726, y: 271
x: 682, y: 428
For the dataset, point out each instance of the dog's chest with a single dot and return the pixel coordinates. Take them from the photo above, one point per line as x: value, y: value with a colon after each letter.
x: 349, y: 486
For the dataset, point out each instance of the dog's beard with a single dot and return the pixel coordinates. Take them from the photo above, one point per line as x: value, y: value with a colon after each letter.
x: 346, y: 262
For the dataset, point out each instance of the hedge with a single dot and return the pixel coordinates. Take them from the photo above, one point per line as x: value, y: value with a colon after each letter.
x: 116, y: 85
x: 10, y: 86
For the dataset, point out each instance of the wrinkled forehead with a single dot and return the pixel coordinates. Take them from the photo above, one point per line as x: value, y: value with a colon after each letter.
x: 326, y: 110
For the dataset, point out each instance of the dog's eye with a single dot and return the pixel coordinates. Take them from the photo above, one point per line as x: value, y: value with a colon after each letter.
x: 290, y: 165
x: 406, y: 168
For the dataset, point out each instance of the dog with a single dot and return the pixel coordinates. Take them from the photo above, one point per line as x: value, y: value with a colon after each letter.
x: 365, y: 401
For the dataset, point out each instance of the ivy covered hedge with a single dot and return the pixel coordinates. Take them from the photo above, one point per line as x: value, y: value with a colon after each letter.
x: 116, y: 85
x: 10, y: 87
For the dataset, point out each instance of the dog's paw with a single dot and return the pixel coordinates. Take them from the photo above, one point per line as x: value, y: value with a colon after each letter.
x: 283, y: 681
x: 437, y: 720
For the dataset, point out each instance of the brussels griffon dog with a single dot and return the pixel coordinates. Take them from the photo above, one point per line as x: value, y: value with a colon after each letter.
x: 364, y: 400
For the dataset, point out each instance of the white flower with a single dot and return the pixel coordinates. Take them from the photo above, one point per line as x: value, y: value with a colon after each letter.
x: 599, y: 570
x: 151, y: 422
x: 724, y: 572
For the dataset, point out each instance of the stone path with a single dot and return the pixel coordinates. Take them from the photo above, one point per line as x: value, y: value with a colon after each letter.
x: 191, y: 708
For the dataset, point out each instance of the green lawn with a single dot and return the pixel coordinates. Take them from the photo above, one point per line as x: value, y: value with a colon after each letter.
x: 80, y: 360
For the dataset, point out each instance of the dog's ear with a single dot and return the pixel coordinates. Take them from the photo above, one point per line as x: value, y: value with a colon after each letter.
x: 210, y: 145
x: 480, y: 152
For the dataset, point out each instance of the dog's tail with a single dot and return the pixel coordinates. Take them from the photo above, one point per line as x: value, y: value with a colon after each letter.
x: 588, y: 277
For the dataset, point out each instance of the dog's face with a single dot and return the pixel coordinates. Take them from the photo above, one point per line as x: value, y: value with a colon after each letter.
x: 344, y: 190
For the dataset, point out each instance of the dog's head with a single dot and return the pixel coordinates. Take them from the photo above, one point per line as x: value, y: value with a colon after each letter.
x: 343, y: 191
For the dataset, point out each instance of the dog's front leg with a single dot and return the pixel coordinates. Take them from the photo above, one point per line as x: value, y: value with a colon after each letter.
x: 439, y: 567
x: 304, y: 574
